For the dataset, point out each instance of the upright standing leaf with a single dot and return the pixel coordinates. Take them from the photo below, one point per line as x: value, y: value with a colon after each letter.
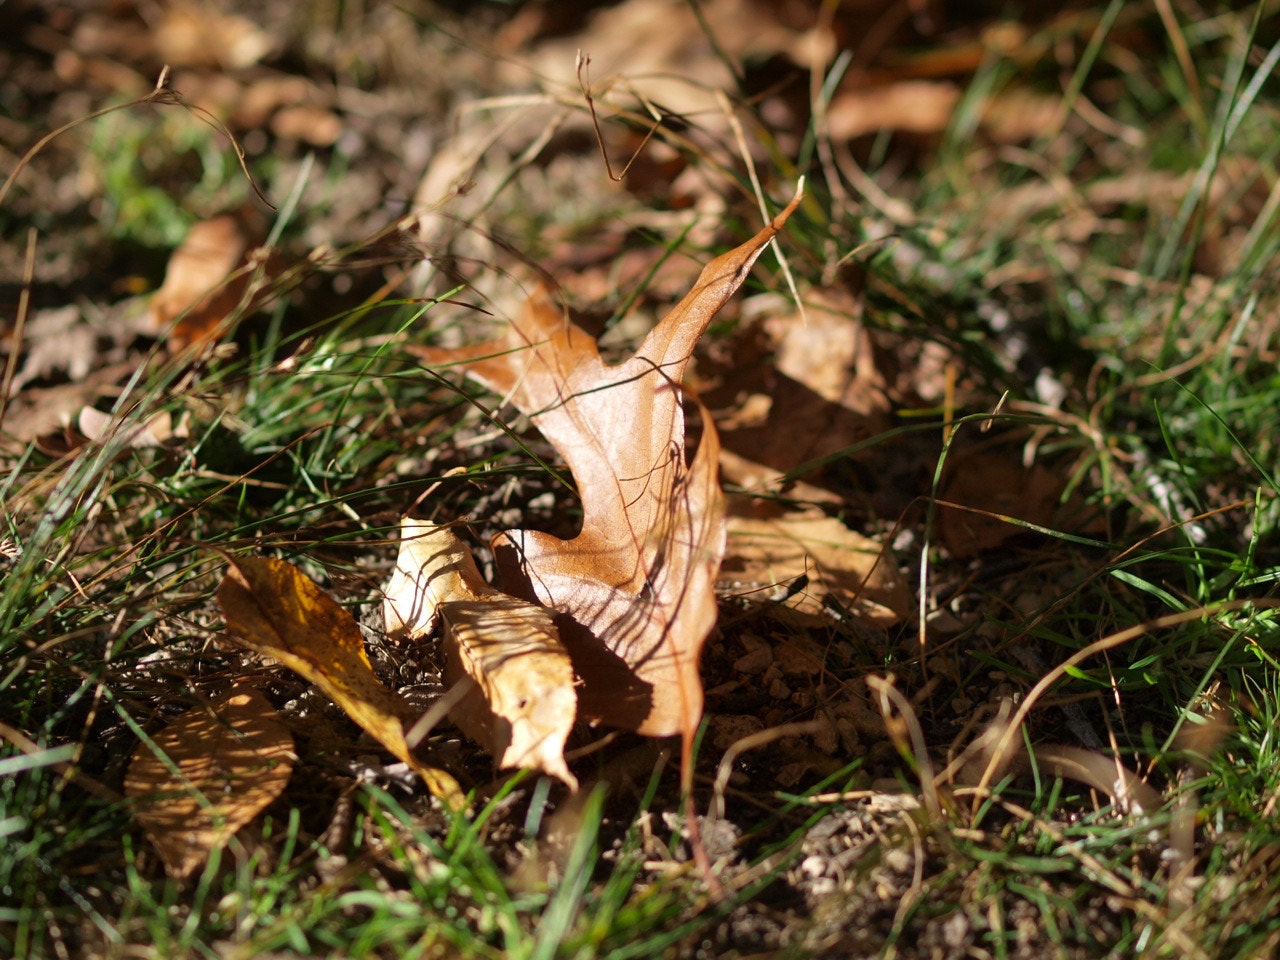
x: 207, y: 774
x: 635, y: 586
x: 272, y: 608
x: 521, y: 704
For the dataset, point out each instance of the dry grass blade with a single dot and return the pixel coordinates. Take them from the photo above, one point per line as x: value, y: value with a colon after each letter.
x: 1004, y: 750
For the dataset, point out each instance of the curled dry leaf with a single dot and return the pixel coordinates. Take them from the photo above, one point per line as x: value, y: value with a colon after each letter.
x: 634, y: 589
x: 274, y: 609
x: 521, y: 704
x: 207, y: 774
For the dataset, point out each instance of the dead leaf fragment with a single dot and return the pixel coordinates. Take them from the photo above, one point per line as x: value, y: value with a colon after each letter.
x: 155, y: 431
x: 917, y: 106
x: 37, y: 412
x: 207, y: 279
x: 57, y: 339
x: 275, y: 610
x: 796, y: 388
x: 197, y: 35
x: 635, y: 587
x: 860, y: 574
x: 522, y: 704
x: 207, y: 774
x: 989, y: 498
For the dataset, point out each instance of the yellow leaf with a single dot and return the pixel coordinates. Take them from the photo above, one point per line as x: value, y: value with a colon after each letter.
x: 275, y: 610
x: 207, y: 774
x: 521, y: 704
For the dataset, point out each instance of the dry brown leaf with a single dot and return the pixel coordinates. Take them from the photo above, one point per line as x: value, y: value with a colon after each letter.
x: 57, y: 340
x: 635, y: 586
x: 927, y: 107
x: 858, y: 573
x: 916, y: 106
x: 661, y: 51
x: 209, y: 773
x: 275, y: 610
x: 987, y: 491
x: 38, y: 412
x: 794, y: 388
x: 208, y: 277
x: 521, y: 702
x: 198, y: 35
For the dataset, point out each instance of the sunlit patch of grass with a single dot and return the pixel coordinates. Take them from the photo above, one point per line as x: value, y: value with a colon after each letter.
x: 1107, y: 284
x: 157, y: 171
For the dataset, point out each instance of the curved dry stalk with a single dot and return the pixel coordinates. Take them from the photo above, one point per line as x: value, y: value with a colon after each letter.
x: 1002, y: 754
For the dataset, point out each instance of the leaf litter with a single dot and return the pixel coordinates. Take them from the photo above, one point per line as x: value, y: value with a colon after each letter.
x: 635, y: 587
x: 207, y: 774
x: 274, y: 609
x: 809, y: 556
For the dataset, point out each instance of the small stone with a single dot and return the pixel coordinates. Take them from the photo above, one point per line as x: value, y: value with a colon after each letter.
x: 955, y: 930
x: 813, y: 867
x: 719, y: 837
x: 822, y: 887
x: 792, y: 774
x: 899, y: 861
x: 825, y: 738
x: 798, y: 660
x: 757, y: 659
x: 728, y: 729
x: 828, y: 826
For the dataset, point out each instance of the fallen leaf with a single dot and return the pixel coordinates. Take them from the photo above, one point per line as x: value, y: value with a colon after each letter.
x: 989, y: 497
x: 155, y: 431
x: 275, y: 610
x: 521, y: 702
x: 837, y: 563
x: 794, y: 388
x: 208, y: 277
x: 198, y: 35
x: 635, y: 587
x: 916, y: 106
x: 38, y: 412
x: 207, y: 774
x: 57, y: 340
x: 658, y: 50
x: 310, y: 124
